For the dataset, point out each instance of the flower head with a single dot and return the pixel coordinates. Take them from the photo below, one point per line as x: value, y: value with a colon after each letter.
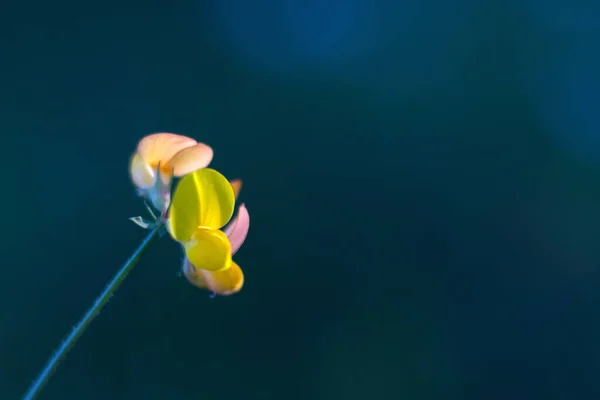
x: 159, y: 158
x: 202, y: 203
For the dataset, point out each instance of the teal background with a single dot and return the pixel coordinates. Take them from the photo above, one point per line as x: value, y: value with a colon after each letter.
x: 422, y: 178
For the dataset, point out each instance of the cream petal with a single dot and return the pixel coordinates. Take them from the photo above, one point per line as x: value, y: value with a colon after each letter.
x: 190, y: 159
x: 237, y: 230
x: 161, y: 147
x: 141, y: 173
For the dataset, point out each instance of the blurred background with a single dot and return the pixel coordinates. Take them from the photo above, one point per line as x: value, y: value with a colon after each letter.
x: 423, y: 179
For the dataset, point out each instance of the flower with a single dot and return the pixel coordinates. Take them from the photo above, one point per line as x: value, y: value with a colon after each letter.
x: 203, y: 202
x: 159, y: 158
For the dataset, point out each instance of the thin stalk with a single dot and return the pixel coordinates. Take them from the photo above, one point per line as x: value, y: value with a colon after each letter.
x: 37, y: 386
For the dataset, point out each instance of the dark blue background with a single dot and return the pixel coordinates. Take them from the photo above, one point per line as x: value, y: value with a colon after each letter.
x: 423, y: 179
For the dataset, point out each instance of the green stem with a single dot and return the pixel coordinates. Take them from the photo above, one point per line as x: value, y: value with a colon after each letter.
x: 37, y: 386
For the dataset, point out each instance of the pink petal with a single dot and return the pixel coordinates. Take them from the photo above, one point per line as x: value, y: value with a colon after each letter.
x: 190, y: 159
x: 237, y: 230
x: 161, y: 147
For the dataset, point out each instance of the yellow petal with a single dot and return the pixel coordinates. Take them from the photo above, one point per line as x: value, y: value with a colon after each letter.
x: 224, y: 282
x: 141, y: 173
x: 209, y: 250
x: 203, y: 198
x: 190, y: 159
x: 161, y: 147
x: 236, y: 185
